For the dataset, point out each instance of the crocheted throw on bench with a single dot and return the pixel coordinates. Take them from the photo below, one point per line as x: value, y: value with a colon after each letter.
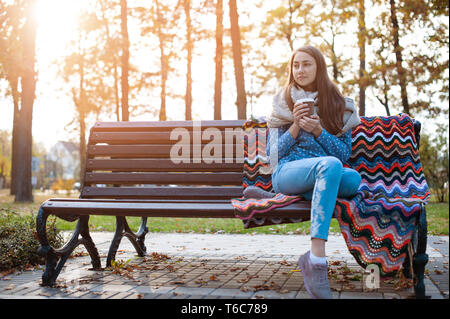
x: 377, y: 224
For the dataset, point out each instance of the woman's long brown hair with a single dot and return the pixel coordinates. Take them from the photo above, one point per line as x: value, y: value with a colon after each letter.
x: 331, y: 103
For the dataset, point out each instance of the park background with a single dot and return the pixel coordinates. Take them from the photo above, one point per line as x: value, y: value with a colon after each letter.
x: 66, y: 64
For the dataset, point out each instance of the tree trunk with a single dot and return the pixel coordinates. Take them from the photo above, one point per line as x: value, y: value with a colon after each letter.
x: 116, y: 92
x: 399, y: 58
x: 218, y: 61
x: 188, y: 97
x: 24, y: 192
x: 115, y: 62
x: 125, y: 59
x: 288, y: 32
x: 14, y: 144
x: 386, y: 98
x: 241, y: 101
x: 164, y: 71
x: 362, y: 57
x: 81, y: 105
x: 82, y: 149
x: 334, y: 59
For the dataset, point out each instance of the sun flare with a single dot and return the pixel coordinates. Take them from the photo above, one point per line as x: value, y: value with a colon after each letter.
x: 56, y: 21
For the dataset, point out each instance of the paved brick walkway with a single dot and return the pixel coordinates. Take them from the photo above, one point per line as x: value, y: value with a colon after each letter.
x: 211, y: 266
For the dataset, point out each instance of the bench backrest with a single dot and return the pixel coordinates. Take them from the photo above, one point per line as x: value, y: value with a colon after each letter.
x: 128, y: 159
x: 205, y: 159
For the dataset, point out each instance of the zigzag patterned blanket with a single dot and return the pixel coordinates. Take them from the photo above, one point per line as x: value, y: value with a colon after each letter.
x: 377, y: 224
x: 257, y: 172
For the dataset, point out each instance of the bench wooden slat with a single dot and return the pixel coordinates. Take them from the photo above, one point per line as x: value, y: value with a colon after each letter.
x: 197, y: 209
x: 161, y: 150
x: 130, y: 137
x: 142, y: 137
x: 163, y: 164
x: 163, y: 125
x: 162, y: 192
x: 137, y: 200
x: 228, y: 178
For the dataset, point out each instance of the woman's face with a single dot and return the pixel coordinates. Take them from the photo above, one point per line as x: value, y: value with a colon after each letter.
x: 304, y: 69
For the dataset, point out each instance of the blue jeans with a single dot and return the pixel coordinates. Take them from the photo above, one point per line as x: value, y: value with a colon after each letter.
x: 321, y: 180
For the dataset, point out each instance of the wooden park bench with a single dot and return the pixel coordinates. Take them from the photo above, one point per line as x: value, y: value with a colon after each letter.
x: 163, y: 169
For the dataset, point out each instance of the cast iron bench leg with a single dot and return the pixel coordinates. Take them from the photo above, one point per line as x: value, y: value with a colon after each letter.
x: 420, y: 257
x: 122, y: 229
x: 52, y: 265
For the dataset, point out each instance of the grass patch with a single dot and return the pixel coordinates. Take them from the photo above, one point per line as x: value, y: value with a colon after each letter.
x: 437, y: 218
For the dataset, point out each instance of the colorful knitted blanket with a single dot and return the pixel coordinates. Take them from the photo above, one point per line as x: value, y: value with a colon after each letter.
x: 258, y: 172
x: 377, y: 224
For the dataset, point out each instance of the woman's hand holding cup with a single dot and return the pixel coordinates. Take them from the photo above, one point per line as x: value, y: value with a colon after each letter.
x: 311, y: 124
x: 305, y: 118
x: 302, y: 108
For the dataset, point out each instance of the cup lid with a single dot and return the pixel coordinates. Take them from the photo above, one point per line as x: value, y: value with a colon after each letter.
x: 306, y: 99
